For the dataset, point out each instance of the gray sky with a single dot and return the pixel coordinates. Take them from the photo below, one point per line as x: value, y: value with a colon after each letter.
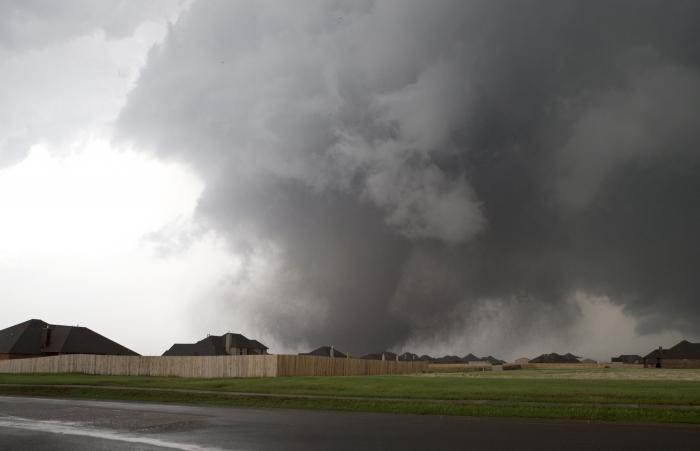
x: 504, y: 178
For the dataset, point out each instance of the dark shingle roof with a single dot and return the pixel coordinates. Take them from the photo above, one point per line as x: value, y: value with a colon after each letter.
x: 449, y: 359
x: 388, y: 355
x: 471, y: 358
x: 325, y: 351
x: 555, y: 358
x: 29, y: 338
x: 255, y: 344
x: 655, y: 353
x: 408, y: 357
x: 21, y: 338
x: 213, y: 345
x: 683, y: 350
x: 627, y: 358
x: 493, y: 360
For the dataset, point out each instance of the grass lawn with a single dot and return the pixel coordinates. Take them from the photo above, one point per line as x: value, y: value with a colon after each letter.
x: 595, y: 392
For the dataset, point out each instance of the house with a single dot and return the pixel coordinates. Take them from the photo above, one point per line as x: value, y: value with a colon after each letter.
x: 408, y: 357
x: 628, y: 358
x: 493, y: 360
x: 471, y: 358
x: 683, y: 355
x: 37, y: 338
x: 522, y: 361
x: 226, y: 344
x: 326, y: 351
x: 556, y: 358
x: 386, y: 355
x: 448, y: 359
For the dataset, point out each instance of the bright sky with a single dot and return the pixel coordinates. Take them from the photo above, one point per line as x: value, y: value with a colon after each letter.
x: 83, y: 224
x: 80, y: 239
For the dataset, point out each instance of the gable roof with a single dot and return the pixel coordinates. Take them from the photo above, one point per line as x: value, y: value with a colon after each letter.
x: 213, y: 345
x: 655, y: 353
x: 30, y: 338
x: 408, y: 357
x: 470, y: 358
x: 493, y: 360
x: 627, y: 358
x: 555, y: 358
x: 255, y: 344
x: 325, y: 351
x: 448, y: 359
x: 682, y: 350
x: 388, y: 355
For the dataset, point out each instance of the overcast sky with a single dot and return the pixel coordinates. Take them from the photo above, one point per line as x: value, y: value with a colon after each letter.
x: 494, y: 177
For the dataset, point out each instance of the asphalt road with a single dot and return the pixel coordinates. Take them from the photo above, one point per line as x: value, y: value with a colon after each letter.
x: 50, y: 424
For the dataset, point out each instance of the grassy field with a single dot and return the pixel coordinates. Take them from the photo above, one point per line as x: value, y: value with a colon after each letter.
x: 593, y: 394
x: 651, y: 374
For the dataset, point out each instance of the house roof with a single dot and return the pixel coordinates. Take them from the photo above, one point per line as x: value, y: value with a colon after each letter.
x: 493, y: 360
x: 627, y: 358
x: 408, y: 357
x: 683, y: 350
x: 28, y: 338
x: 470, y: 358
x: 325, y: 351
x: 448, y: 359
x: 210, y: 345
x: 655, y: 353
x: 213, y: 345
x: 388, y: 355
x: 555, y: 358
x: 255, y: 344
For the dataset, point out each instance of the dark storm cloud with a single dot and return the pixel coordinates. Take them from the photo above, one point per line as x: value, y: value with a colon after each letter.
x: 410, y: 160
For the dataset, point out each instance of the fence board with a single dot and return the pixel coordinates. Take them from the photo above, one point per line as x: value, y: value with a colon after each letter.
x: 209, y: 366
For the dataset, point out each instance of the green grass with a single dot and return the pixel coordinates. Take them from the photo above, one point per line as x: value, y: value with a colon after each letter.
x: 596, y: 397
x: 414, y: 387
x: 589, y: 413
x: 621, y: 374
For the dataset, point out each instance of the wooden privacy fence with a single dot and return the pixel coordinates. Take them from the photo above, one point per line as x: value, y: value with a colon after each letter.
x: 208, y: 367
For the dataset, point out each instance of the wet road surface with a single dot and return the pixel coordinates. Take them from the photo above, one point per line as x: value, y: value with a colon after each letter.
x: 52, y: 424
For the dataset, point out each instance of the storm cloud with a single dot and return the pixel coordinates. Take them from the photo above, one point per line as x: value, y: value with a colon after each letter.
x: 389, y: 172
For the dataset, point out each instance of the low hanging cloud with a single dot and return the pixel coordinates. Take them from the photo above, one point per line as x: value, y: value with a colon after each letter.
x: 395, y: 165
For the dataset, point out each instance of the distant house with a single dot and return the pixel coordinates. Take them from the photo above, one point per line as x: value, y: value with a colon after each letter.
x: 448, y: 359
x: 226, y: 344
x: 683, y: 355
x: 386, y: 355
x: 36, y: 338
x: 493, y: 360
x: 408, y: 357
x: 326, y: 351
x: 471, y: 358
x: 556, y: 358
x: 522, y: 361
x: 627, y: 358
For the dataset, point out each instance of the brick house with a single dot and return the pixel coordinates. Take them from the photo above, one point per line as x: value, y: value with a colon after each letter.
x: 226, y: 344
x: 37, y: 338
